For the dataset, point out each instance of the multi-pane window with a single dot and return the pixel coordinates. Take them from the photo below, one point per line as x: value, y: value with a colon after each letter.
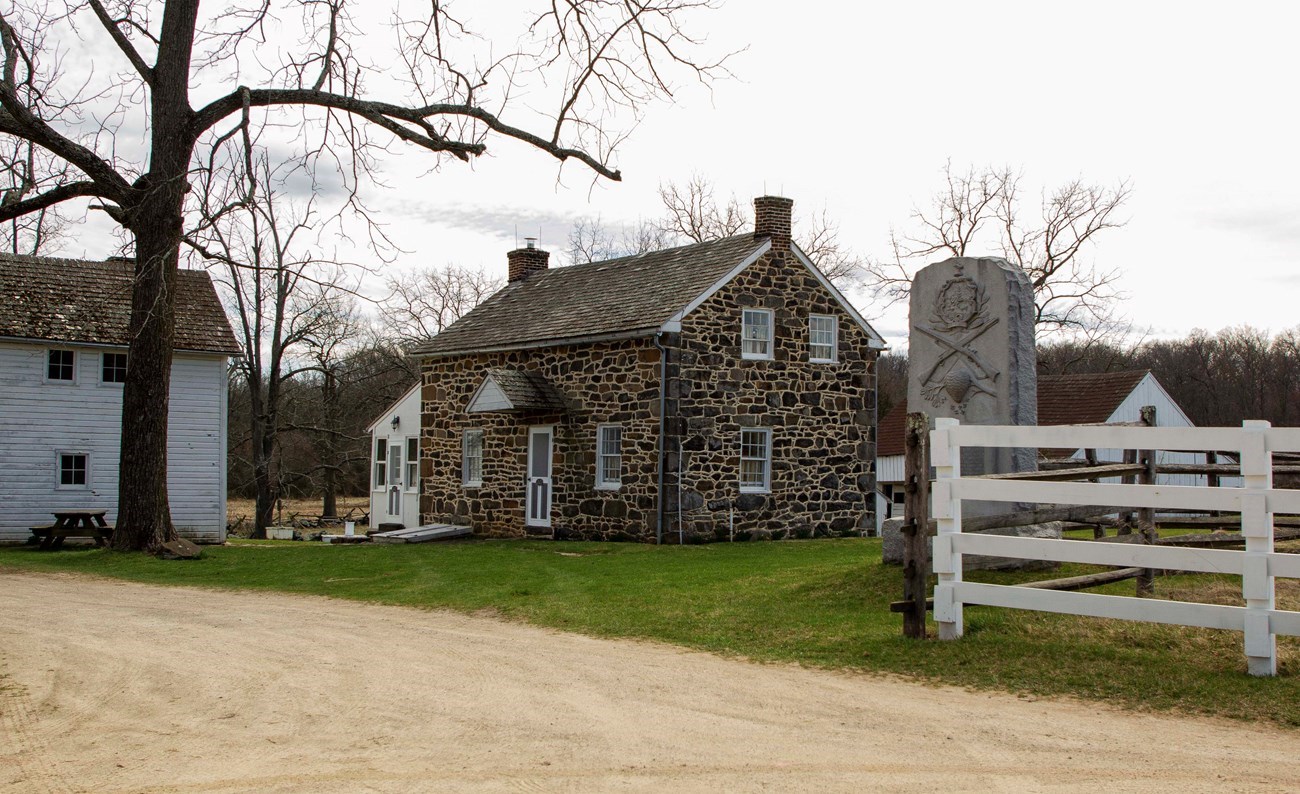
x: 756, y: 333
x: 73, y: 469
x: 381, y: 462
x: 60, y: 365
x: 756, y: 460
x: 471, y: 469
x: 412, y: 462
x: 113, y: 368
x: 821, y: 338
x: 609, y: 456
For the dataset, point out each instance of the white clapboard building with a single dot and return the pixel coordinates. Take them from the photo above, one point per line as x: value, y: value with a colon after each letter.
x: 1089, y: 398
x: 395, y: 463
x: 63, y: 359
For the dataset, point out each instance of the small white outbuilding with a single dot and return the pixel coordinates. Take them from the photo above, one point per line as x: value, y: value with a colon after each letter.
x: 395, y: 463
x: 63, y: 360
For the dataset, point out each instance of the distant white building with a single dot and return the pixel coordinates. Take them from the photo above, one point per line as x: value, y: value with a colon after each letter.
x: 1089, y: 398
x: 395, y: 463
x: 63, y: 359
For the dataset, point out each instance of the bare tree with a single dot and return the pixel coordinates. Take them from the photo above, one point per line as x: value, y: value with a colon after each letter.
x: 984, y: 208
x: 692, y: 212
x: 261, y: 242
x: 446, y: 95
x: 421, y: 304
x: 590, y: 240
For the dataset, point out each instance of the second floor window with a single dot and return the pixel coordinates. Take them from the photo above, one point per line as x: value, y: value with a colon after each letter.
x: 114, y: 368
x: 756, y: 333
x: 821, y: 338
x: 60, y: 366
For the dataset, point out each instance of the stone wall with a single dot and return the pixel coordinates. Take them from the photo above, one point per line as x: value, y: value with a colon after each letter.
x: 822, y: 416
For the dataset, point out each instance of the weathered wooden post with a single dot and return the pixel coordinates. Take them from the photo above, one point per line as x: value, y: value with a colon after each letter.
x: 1146, y: 581
x: 916, y: 523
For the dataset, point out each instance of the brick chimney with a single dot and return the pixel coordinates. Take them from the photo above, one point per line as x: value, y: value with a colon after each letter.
x: 526, y: 261
x: 772, y: 219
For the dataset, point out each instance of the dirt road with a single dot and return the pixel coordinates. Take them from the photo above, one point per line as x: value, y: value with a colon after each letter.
x: 121, y: 687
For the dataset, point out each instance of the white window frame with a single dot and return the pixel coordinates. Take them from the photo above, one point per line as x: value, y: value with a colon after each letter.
x: 62, y: 381
x: 103, y: 357
x: 380, y: 472
x: 835, y: 339
x: 465, y: 480
x: 58, y: 470
x: 771, y: 335
x: 766, y: 486
x: 603, y: 484
x: 412, y: 465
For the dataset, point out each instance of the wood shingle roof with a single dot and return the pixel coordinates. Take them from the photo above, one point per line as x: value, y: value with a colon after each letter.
x: 617, y: 297
x: 74, y: 300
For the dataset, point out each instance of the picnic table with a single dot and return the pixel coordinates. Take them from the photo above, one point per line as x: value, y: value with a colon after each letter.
x: 74, y: 524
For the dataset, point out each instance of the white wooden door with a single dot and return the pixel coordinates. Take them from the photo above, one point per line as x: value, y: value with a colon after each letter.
x: 395, y: 480
x: 538, y: 485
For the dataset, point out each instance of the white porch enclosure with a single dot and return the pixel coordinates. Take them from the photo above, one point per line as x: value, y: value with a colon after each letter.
x: 1256, y: 499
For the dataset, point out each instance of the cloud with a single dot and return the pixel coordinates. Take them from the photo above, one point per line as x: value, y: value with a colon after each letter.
x: 1268, y: 225
x: 502, y: 222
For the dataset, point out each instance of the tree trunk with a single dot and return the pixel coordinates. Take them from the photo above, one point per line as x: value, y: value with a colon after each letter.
x: 156, y: 218
x: 143, y: 513
x: 263, y: 432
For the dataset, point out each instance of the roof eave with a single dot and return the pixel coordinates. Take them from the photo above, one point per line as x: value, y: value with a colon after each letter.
x: 586, y: 339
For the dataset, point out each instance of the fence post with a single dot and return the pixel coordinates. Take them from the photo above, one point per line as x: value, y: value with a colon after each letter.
x: 916, y: 523
x: 946, y: 457
x: 1146, y: 581
x: 1257, y: 530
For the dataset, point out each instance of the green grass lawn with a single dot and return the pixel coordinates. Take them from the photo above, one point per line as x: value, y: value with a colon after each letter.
x: 821, y: 603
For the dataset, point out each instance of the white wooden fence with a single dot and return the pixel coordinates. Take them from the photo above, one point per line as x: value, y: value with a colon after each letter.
x: 1258, y: 565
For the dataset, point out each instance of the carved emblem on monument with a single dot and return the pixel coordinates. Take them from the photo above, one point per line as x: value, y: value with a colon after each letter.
x: 956, y: 321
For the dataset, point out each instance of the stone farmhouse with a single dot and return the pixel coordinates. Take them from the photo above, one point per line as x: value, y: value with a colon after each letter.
x: 63, y: 359
x: 718, y: 390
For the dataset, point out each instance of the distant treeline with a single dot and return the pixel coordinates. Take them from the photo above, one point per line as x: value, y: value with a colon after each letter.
x: 1219, y: 379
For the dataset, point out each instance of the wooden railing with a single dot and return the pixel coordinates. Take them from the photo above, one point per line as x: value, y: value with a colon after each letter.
x: 1256, y: 501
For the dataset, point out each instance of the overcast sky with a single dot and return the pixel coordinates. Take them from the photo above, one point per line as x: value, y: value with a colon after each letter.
x: 853, y: 108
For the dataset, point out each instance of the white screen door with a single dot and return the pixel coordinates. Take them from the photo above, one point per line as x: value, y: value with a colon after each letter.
x: 395, y: 480
x: 538, y: 486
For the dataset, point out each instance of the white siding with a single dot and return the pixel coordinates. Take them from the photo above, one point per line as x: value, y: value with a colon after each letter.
x: 38, y: 419
x: 407, y: 411
x: 889, y: 469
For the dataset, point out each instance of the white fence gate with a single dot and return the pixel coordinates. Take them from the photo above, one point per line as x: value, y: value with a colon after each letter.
x: 1256, y: 500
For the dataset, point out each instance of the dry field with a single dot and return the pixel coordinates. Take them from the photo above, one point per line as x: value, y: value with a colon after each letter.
x: 238, y: 509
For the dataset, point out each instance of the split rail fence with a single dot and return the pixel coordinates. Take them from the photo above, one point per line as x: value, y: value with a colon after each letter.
x: 1256, y: 501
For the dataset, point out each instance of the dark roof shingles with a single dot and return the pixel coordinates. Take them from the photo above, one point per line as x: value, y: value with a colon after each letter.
x: 527, y: 390
x: 630, y: 294
x: 73, y: 300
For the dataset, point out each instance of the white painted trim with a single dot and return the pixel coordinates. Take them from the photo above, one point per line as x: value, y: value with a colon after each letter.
x: 58, y: 470
x: 1150, y: 377
x: 616, y: 336
x: 674, y: 324
x: 771, y: 334
x: 605, y: 485
x: 545, y: 521
x: 108, y: 383
x: 478, y: 393
x: 32, y: 340
x: 61, y: 381
x: 482, y: 453
x: 767, y: 464
x: 876, y: 341
x: 835, y: 339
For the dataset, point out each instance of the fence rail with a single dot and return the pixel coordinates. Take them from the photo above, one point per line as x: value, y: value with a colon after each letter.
x: 1258, y: 565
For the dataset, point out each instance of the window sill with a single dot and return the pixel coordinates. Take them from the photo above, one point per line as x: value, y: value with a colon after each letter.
x: 468, y: 486
x: 823, y: 361
x: 753, y: 489
x: 754, y: 357
x: 608, y: 486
